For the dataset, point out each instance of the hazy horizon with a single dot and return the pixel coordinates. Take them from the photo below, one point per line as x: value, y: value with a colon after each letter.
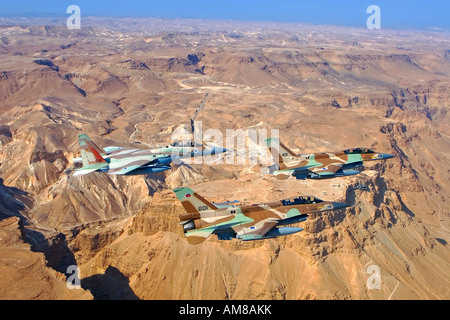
x: 394, y: 14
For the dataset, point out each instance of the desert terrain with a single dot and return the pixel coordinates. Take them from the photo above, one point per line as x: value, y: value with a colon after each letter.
x: 133, y: 83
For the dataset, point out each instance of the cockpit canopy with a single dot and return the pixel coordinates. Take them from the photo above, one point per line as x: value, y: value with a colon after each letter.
x: 185, y: 144
x: 358, y: 151
x: 301, y: 200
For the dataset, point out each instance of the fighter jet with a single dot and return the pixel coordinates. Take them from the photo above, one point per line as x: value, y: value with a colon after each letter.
x: 173, y: 152
x: 248, y: 222
x: 176, y: 150
x: 131, y: 161
x: 188, y: 149
x: 319, y: 165
x: 122, y: 161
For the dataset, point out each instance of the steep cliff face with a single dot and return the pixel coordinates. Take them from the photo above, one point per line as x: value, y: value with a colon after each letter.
x: 329, y: 260
x: 24, y: 274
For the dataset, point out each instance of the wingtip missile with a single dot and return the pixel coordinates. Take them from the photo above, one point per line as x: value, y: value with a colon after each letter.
x: 339, y: 205
x: 387, y: 156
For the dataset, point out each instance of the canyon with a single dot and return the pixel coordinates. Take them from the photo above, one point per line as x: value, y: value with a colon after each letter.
x: 127, y: 84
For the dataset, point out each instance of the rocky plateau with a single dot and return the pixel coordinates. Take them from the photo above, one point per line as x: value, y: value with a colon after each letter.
x: 324, y: 88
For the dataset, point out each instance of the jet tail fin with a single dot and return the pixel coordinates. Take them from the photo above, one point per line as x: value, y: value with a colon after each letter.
x: 90, y: 152
x: 192, y: 201
x: 280, y: 153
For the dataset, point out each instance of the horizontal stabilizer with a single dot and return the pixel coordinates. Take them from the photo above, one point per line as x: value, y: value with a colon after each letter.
x: 198, y: 236
x: 82, y: 172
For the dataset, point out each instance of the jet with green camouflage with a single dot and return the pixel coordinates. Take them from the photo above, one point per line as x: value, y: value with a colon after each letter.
x: 131, y: 161
x: 248, y: 222
x: 319, y: 165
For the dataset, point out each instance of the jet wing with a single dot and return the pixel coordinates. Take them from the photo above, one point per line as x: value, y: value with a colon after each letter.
x: 199, y: 235
x: 329, y: 169
x: 127, y: 168
x: 125, y: 152
x: 256, y: 231
x: 227, y: 204
x: 332, y: 168
x: 299, y: 173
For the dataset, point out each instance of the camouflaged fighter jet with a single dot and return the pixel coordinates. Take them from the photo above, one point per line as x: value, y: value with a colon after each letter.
x: 129, y: 161
x: 319, y: 165
x: 250, y: 222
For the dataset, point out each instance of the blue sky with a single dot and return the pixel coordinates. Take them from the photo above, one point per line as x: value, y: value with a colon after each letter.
x: 397, y: 14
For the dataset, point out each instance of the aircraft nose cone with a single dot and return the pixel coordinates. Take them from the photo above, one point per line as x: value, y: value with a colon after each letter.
x: 339, y: 205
